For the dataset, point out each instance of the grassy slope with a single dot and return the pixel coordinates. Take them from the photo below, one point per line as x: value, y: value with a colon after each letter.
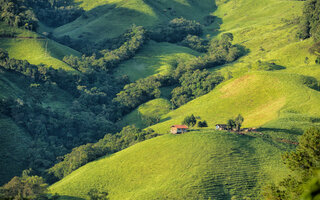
x: 155, y: 58
x: 188, y: 166
x: 34, y: 50
x: 110, y: 19
x: 153, y: 108
x: 273, y: 99
x: 259, y: 96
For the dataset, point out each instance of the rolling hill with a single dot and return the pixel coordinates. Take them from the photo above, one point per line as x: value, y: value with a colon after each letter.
x: 196, y: 165
x: 109, y: 19
x: 34, y: 48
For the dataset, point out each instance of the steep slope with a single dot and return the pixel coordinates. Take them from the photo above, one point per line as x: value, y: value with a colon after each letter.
x: 108, y: 19
x: 198, y: 165
x: 259, y: 96
x: 35, y: 48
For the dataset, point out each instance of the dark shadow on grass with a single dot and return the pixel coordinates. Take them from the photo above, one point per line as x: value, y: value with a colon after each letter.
x: 279, y: 130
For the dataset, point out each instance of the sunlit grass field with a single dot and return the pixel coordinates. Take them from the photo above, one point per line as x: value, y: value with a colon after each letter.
x: 196, y: 165
x: 155, y: 58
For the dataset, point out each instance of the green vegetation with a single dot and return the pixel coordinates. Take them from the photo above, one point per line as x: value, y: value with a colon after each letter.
x: 147, y: 114
x: 302, y: 164
x: 103, y: 20
x: 111, y: 143
x: 195, y: 165
x: 280, y: 106
x: 258, y: 58
x: 155, y: 58
x: 189, y: 120
x: 25, y: 187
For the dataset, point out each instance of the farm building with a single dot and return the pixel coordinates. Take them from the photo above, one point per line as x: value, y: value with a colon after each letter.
x: 177, y: 129
x: 221, y: 127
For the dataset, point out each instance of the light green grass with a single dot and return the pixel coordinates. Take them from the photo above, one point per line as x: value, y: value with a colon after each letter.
x: 259, y: 96
x: 34, y: 51
x: 109, y: 19
x: 195, y: 165
x: 154, y: 108
x: 155, y: 58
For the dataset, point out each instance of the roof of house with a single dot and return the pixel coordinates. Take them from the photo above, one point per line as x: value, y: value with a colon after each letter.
x: 179, y: 126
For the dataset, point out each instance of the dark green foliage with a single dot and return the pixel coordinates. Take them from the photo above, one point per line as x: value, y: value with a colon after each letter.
x: 190, y: 120
x: 312, y: 189
x: 193, y: 85
x: 111, y: 143
x: 25, y: 187
x: 219, y: 53
x: 231, y: 124
x: 176, y: 30
x: 310, y: 22
x: 302, y: 162
x: 238, y: 122
x: 141, y: 91
x: 235, y: 123
x: 17, y: 13
x: 136, y: 38
x: 196, y: 43
x: 94, y: 194
x: 54, y: 133
x: 202, y: 124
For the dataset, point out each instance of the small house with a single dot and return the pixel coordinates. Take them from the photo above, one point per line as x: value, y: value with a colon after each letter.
x: 178, y: 129
x: 221, y: 127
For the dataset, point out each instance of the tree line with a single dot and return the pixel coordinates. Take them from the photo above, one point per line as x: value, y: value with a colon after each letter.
x: 26, y: 14
x: 309, y: 26
x: 190, y: 77
x: 107, y: 60
x: 110, y: 143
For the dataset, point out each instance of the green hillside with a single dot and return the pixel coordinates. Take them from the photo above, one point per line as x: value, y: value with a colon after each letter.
x: 110, y: 19
x: 275, y: 99
x: 196, y: 165
x: 34, y: 48
x: 260, y: 97
x: 150, y: 111
x: 155, y: 58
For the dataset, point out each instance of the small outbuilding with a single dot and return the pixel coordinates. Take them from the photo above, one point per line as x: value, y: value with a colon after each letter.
x: 221, y: 127
x: 178, y: 129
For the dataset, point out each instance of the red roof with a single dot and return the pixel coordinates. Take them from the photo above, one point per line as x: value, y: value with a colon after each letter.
x: 180, y: 126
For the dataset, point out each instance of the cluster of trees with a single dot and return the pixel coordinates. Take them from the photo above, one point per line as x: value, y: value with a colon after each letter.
x: 137, y: 93
x: 56, y: 13
x: 26, y: 14
x: 235, y: 123
x: 194, y: 84
x: 111, y: 143
x: 107, y: 60
x: 192, y: 121
x: 176, y: 30
x: 303, y: 164
x: 25, y: 187
x: 191, y: 78
x: 16, y: 13
x: 196, y: 43
x: 90, y: 115
x: 219, y: 52
x: 309, y: 25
